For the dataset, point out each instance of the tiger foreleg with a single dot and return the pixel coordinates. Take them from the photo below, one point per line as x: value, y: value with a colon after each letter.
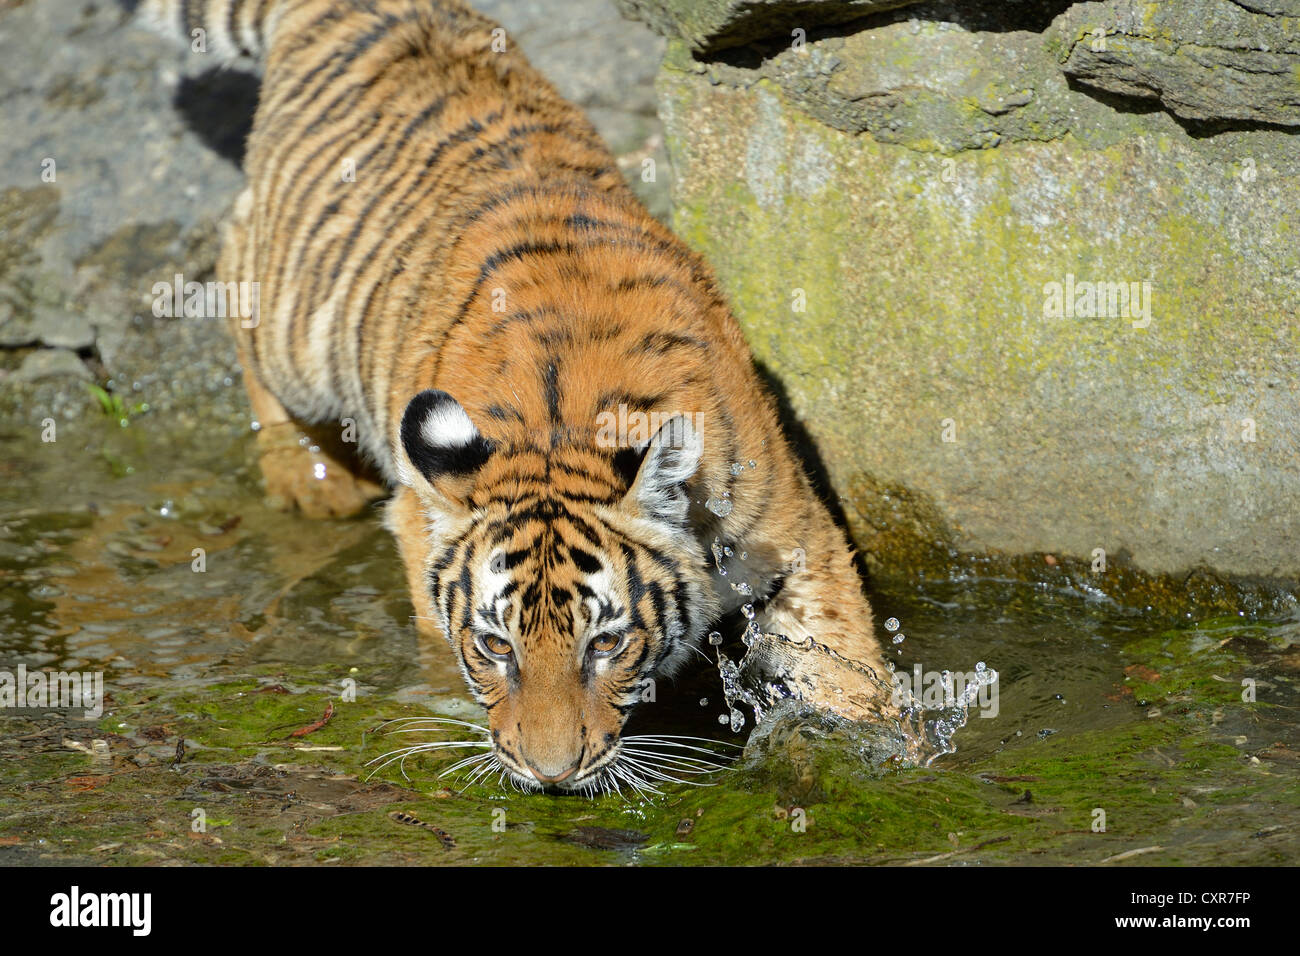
x: 817, y: 636
x: 304, y: 467
x: 405, y: 518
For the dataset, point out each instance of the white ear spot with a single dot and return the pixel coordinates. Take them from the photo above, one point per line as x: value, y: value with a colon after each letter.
x: 447, y: 426
x: 440, y: 439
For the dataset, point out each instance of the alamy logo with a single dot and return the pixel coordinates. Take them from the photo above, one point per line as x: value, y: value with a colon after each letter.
x: 47, y: 690
x: 75, y: 908
x: 629, y: 429
x: 207, y: 300
x: 941, y: 689
x: 1074, y: 299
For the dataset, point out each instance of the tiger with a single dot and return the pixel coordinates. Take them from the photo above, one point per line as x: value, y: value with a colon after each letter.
x: 587, y: 471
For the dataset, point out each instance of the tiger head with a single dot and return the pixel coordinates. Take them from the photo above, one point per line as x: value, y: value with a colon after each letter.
x: 564, y: 577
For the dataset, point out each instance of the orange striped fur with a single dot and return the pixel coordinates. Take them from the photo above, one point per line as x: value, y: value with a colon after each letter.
x: 480, y: 300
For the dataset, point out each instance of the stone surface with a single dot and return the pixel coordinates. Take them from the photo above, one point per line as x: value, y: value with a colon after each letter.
x: 106, y: 187
x: 50, y: 363
x: 59, y: 328
x: 917, y: 187
x: 717, y: 24
x: 1201, y: 59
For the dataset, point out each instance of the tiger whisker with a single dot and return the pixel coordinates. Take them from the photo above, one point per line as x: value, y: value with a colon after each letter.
x: 650, y: 742
x: 638, y: 781
x: 694, y: 767
x: 405, y: 721
x: 487, y: 767
x: 463, y: 763
x: 656, y: 773
x: 664, y: 738
x: 481, y: 771
x: 697, y: 650
x: 416, y: 730
x: 403, y: 753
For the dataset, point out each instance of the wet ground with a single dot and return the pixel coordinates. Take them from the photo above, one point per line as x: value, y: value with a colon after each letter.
x: 250, y: 659
x: 213, y: 745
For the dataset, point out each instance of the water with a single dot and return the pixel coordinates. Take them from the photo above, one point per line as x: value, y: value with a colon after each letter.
x: 1089, y: 732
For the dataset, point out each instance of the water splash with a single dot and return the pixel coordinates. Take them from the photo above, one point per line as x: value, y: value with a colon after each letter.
x: 775, y: 670
x: 930, y: 727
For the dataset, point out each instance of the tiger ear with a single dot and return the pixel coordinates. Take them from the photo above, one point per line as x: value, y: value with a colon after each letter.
x: 443, y: 449
x: 663, y: 466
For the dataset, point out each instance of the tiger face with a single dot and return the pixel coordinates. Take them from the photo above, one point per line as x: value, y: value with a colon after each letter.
x: 562, y: 600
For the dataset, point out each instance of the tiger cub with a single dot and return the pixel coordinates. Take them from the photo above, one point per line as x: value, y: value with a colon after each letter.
x: 449, y: 261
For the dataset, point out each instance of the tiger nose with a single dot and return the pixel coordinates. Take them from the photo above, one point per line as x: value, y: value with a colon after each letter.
x: 543, y: 777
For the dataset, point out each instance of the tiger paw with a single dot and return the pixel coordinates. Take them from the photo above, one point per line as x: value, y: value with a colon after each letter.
x: 777, y: 667
x: 305, y: 477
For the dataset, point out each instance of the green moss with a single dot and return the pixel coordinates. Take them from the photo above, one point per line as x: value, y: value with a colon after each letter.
x: 799, y: 796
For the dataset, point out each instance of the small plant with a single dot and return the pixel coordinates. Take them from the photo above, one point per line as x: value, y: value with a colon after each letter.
x: 113, y: 407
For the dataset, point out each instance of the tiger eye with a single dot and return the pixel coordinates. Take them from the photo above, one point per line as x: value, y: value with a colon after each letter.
x: 497, y: 645
x: 604, y: 643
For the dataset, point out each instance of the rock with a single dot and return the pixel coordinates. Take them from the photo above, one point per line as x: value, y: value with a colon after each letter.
x: 50, y: 363
x: 1201, y: 59
x: 15, y: 332
x: 61, y: 329
x: 980, y: 88
x: 898, y: 215
x: 1276, y: 8
x: 717, y: 24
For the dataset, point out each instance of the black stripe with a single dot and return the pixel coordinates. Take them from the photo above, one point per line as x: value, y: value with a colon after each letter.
x: 363, y: 221
x: 660, y: 343
x: 501, y: 414
x: 553, y: 391
x: 552, y: 247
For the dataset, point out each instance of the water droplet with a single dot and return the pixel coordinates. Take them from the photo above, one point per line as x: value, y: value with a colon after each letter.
x: 715, y: 638
x: 719, y: 506
x: 891, y: 625
x: 752, y: 463
x: 737, y: 720
x: 737, y: 468
x: 704, y: 702
x: 318, y: 471
x: 899, y: 638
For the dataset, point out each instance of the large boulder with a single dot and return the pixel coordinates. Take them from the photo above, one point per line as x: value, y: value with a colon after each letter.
x: 1026, y: 297
x: 710, y: 25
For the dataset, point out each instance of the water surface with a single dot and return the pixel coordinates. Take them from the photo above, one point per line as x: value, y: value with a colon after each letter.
x: 1119, y: 737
